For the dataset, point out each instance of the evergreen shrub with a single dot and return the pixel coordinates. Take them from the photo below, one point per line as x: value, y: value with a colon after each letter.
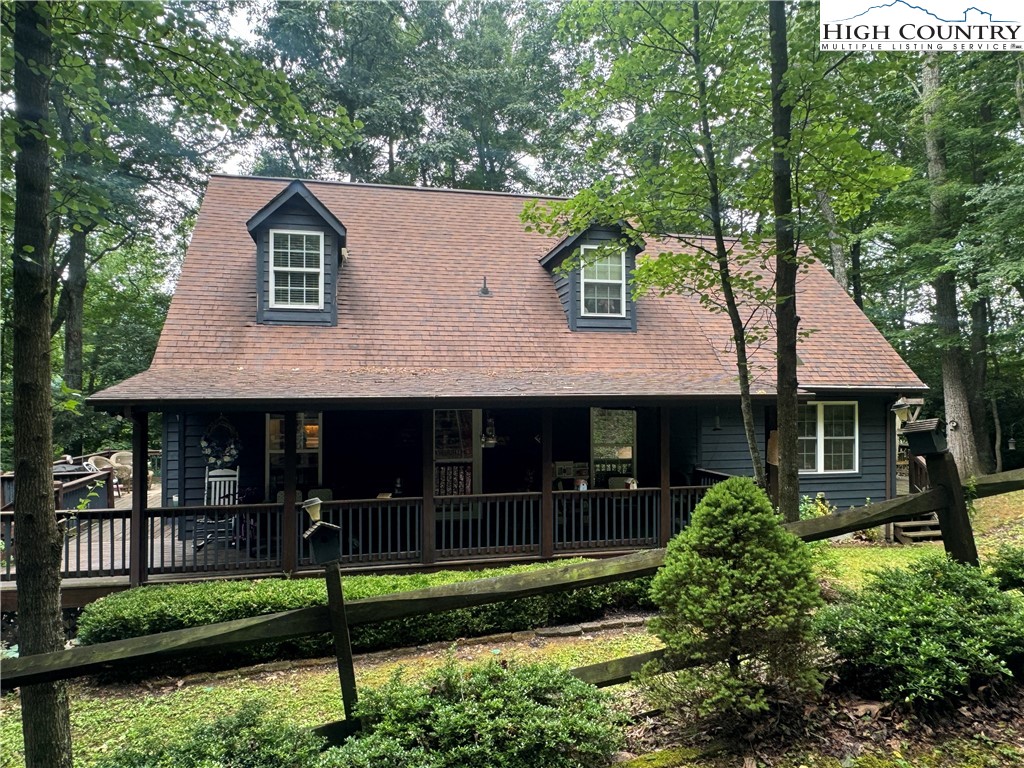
x: 736, y: 595
x: 248, y: 739
x: 163, y: 608
x: 495, y: 715
x: 1008, y: 566
x: 925, y: 633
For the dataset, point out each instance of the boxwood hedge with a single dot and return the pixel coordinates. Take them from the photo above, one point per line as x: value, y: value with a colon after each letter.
x: 162, y: 608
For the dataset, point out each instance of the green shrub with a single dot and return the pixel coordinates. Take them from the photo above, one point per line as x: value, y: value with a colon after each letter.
x: 1008, y: 566
x: 926, y: 632
x: 248, y: 739
x: 736, y: 594
x: 163, y: 608
x: 489, y: 716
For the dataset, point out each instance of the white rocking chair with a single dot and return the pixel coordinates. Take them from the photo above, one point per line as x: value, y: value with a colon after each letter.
x: 221, y: 490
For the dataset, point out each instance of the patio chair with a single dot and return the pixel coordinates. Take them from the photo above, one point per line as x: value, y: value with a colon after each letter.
x: 101, y: 464
x: 221, y: 489
x: 123, y: 459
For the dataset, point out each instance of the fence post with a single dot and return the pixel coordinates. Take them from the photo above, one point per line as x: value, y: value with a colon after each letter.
x: 954, y: 520
x: 342, y: 643
x: 925, y: 438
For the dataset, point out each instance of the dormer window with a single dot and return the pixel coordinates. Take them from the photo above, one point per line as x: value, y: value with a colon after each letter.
x: 603, y: 284
x: 296, y: 274
x: 299, y: 248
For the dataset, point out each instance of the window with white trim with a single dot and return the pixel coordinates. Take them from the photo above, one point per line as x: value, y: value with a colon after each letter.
x: 603, y: 284
x: 828, y: 437
x: 296, y: 269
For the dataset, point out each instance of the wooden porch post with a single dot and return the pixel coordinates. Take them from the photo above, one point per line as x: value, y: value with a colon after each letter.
x: 290, y: 523
x: 665, y: 533
x: 428, y: 548
x: 138, y: 568
x: 547, y: 481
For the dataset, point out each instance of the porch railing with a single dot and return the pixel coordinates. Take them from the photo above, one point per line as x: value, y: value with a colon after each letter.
x: 374, y: 531
x: 487, y: 524
x: 248, y: 538
x: 606, y: 519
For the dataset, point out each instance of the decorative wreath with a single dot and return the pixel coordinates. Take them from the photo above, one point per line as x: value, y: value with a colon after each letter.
x: 220, y: 444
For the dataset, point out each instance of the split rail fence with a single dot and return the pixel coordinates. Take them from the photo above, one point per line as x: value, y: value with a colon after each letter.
x: 945, y: 498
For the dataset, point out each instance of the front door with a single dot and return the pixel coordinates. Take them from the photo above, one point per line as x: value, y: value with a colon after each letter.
x: 457, y: 454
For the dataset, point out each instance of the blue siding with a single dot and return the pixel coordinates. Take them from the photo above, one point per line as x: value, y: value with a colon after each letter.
x: 568, y: 288
x: 725, y: 450
x: 852, y: 490
x: 297, y: 215
x: 171, y: 459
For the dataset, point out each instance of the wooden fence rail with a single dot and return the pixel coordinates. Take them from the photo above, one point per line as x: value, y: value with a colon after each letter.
x: 124, y: 655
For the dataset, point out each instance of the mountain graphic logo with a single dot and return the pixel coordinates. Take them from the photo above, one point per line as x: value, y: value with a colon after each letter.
x: 970, y: 14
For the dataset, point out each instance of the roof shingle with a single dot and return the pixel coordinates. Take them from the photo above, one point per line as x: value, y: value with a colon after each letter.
x: 411, y: 324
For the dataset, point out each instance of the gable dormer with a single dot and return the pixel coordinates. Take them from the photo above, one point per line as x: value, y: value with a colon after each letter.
x: 595, y: 293
x: 299, y: 245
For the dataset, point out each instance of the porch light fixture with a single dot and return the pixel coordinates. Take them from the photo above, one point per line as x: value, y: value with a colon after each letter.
x: 1012, y: 444
x: 489, y: 437
x: 907, y: 409
x: 312, y: 508
x: 325, y: 538
x: 717, y: 426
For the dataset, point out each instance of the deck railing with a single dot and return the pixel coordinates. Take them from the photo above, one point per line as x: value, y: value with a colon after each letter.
x: 684, y: 499
x: 506, y: 524
x: 373, y: 531
x: 248, y: 538
x: 606, y: 519
x: 243, y: 538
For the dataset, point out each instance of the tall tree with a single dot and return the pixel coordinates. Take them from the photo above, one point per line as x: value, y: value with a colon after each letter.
x: 146, y: 96
x: 681, y: 94
x: 955, y: 380
x: 786, y: 319
x: 45, y: 710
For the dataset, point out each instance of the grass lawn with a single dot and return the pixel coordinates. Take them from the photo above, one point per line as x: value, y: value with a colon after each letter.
x: 104, y: 718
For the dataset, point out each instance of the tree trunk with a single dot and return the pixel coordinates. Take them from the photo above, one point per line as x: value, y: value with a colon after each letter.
x: 74, y: 321
x: 840, y: 262
x: 45, y: 712
x: 786, y: 319
x: 722, y: 260
x: 998, y: 436
x: 855, y: 281
x: 979, y: 311
x: 960, y: 434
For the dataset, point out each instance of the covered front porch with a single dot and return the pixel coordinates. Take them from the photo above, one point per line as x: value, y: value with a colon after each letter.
x: 407, y: 488
x: 428, y: 486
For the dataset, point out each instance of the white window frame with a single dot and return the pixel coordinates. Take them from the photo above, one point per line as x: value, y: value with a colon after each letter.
x: 819, y: 464
x: 274, y: 304
x: 621, y: 282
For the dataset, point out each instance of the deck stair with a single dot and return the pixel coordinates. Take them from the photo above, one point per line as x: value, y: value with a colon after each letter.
x: 914, y: 531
